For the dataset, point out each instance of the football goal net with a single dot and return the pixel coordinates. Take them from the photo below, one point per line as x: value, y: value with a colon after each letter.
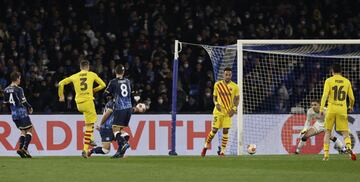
x: 278, y: 79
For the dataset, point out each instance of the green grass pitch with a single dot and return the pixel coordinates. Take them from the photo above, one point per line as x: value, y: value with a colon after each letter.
x: 277, y: 168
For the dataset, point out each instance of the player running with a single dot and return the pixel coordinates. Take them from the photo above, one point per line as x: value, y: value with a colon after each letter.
x: 83, y: 82
x: 336, y: 90
x: 120, y: 89
x: 20, y: 108
x: 318, y: 127
x: 226, y: 100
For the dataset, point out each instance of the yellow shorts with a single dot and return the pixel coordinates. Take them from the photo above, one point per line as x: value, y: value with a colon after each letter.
x: 221, y: 121
x: 88, y: 109
x: 339, y: 119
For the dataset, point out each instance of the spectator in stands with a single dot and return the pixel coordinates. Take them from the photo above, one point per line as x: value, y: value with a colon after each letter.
x: 45, y: 40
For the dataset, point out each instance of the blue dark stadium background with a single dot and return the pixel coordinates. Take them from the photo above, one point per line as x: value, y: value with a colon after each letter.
x: 44, y: 40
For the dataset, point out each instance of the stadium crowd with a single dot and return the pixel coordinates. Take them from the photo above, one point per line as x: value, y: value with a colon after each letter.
x: 45, y: 44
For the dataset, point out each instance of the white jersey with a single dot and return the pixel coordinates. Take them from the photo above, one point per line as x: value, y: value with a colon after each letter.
x: 319, y: 120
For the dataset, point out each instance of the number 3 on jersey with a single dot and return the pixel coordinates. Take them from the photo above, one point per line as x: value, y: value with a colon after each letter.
x: 124, y: 90
x: 83, y: 84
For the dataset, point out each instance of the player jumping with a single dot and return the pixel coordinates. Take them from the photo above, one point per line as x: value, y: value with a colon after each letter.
x: 20, y: 108
x: 83, y: 82
x: 316, y: 128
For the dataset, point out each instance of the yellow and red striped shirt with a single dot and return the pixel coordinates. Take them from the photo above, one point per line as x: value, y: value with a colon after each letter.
x: 225, y: 94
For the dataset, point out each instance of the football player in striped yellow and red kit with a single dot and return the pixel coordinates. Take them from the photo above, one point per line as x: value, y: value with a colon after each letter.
x: 226, y: 100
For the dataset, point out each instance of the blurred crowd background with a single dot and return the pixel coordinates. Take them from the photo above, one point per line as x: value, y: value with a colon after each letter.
x: 44, y: 40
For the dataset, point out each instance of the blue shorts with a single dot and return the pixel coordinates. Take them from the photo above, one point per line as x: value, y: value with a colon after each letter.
x: 106, y: 134
x: 122, y: 117
x: 23, y: 123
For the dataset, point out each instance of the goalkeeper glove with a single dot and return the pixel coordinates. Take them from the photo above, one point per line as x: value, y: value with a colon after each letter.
x: 303, y: 131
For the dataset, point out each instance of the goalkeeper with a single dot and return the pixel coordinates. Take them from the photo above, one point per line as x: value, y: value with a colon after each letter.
x: 316, y: 128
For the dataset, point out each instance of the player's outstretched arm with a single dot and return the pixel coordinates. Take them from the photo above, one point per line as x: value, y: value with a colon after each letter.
x: 62, y: 83
x: 101, y: 83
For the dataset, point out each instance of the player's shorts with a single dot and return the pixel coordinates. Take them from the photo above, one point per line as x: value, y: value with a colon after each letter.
x: 106, y: 134
x: 340, y: 120
x: 122, y: 117
x: 88, y: 109
x: 23, y: 123
x: 221, y: 121
x: 318, y: 127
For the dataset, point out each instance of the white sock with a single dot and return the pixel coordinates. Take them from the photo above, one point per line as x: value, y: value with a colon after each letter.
x: 300, y: 145
x: 339, y: 144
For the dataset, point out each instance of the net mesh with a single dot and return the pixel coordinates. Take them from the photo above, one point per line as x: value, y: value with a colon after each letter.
x: 279, y: 82
x: 278, y: 89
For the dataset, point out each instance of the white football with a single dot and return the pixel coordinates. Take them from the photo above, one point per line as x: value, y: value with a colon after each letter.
x: 251, y: 149
x: 141, y: 107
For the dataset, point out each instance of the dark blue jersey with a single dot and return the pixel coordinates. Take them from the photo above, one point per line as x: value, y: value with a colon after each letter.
x: 14, y: 96
x: 120, y: 89
x: 109, y: 121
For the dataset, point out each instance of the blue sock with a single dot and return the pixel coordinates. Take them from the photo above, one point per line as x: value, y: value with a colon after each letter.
x: 120, y: 140
x: 21, y: 141
x: 27, y: 141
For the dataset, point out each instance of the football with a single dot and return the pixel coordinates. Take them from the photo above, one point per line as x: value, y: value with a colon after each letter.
x: 251, y: 149
x: 141, y: 107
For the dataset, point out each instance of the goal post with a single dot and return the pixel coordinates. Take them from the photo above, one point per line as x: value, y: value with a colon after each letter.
x: 268, y: 69
x: 239, y: 123
x: 220, y: 57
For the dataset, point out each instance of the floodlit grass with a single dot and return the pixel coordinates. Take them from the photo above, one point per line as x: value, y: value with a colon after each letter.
x: 155, y: 168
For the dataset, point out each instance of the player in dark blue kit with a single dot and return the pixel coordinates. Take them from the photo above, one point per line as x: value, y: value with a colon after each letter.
x: 106, y: 133
x: 15, y: 98
x: 120, y: 90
